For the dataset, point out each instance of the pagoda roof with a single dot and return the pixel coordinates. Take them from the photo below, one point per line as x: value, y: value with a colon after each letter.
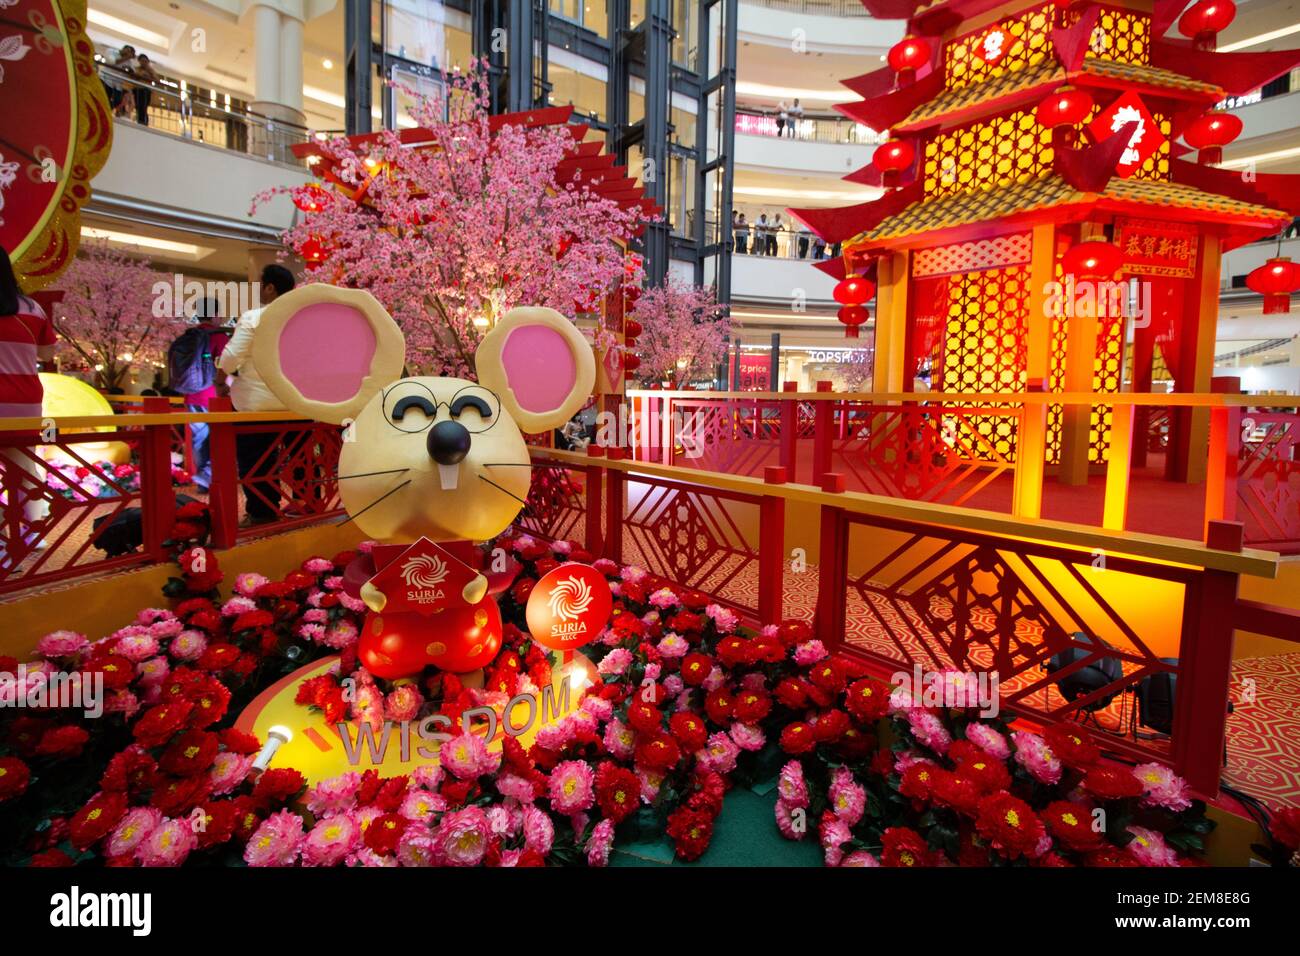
x: 1024, y: 203
x: 972, y: 101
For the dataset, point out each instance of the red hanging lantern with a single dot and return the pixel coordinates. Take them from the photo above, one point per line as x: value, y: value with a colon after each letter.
x: 1092, y: 259
x: 1210, y: 133
x: 854, y: 290
x: 631, y: 362
x: 853, y: 316
x: 1066, y: 106
x: 907, y: 56
x: 631, y: 328
x: 312, y: 250
x: 1275, y: 280
x: 1205, y: 20
x: 893, y: 156
x: 311, y: 198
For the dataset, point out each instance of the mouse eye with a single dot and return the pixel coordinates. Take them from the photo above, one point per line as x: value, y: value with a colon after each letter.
x: 476, y: 408
x: 412, y: 411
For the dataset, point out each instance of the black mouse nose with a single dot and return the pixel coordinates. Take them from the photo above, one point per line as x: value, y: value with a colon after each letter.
x: 448, y: 443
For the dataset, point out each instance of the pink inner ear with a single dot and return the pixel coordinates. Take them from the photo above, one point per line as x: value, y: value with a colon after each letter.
x: 540, y: 367
x: 326, y: 350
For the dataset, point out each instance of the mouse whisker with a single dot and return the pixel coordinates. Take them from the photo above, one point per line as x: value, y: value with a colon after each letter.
x: 376, y: 501
x: 503, y: 491
x: 511, y: 464
x: 366, y: 474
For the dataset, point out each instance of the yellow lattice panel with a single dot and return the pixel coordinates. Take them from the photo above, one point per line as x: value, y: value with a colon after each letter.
x: 1026, y: 39
x: 999, y: 151
x: 1121, y: 35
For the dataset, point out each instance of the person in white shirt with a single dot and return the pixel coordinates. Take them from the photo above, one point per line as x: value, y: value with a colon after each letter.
x: 795, y: 118
x: 249, y: 393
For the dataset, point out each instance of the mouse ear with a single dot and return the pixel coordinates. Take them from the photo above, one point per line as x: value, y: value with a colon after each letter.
x: 539, y: 364
x: 325, y: 351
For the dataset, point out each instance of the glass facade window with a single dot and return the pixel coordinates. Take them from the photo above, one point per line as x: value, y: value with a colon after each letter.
x: 586, y: 94
x: 592, y: 14
x: 425, y: 32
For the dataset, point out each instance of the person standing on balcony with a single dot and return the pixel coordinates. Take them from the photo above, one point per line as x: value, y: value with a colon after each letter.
x: 760, y: 235
x: 796, y: 117
x: 772, y: 232
x: 27, y: 340
x: 192, y: 369
x: 805, y: 236
x: 742, y: 235
x: 145, y: 74
x: 248, y: 393
x: 782, y: 117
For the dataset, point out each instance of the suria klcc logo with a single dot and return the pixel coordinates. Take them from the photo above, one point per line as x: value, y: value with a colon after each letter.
x: 422, y: 574
x: 569, y: 606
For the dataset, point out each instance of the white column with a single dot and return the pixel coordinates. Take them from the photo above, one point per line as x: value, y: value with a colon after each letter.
x: 266, y: 43
x: 290, y: 62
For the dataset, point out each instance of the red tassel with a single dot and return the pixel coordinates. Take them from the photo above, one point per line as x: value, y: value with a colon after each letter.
x: 1277, y: 304
x: 851, y: 331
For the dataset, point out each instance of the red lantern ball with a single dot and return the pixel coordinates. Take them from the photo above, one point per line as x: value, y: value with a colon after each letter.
x: 853, y: 290
x: 1215, y: 128
x: 909, y: 53
x: 631, y: 328
x: 631, y: 362
x: 1275, y: 280
x: 1092, y: 259
x: 853, y: 316
x: 1207, y: 17
x: 1067, y: 106
x: 311, y: 198
x: 312, y: 249
x: 893, y: 156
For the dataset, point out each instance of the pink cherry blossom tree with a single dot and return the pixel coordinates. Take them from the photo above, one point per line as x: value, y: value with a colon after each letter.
x: 108, y: 319
x: 453, y: 233
x: 683, y: 332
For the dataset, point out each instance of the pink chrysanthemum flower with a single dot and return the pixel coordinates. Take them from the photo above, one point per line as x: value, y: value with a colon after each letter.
x: 651, y: 781
x: 152, y: 615
x: 848, y: 798
x: 59, y: 644
x: 137, y: 647
x: 276, y: 842
x: 335, y: 794
x: 615, y: 662
x: 516, y: 787
x: 748, y: 736
x: 673, y: 646
x: 539, y: 831
x: 462, y: 837
x: 664, y: 598
x: 600, y: 843
x: 719, y: 754
x: 1163, y: 787
x: 340, y: 634
x: 166, y: 629
x: 598, y: 707
x: 417, y: 847
x: 228, y: 771
x: 132, y: 830
x: 860, y: 858
x: 791, y: 820
x: 237, y: 606
x: 634, y: 575
x: 403, y: 703
x: 317, y: 565
x: 809, y: 653
x: 929, y: 730
x: 153, y: 671
x: 834, y: 834
x: 791, y: 785
x: 331, y: 840
x: 1149, y: 848
x: 724, y: 619
x: 619, y: 739
x: 1034, y: 755
x: 988, y: 740
x: 167, y: 844
x: 465, y: 756
x: 427, y: 775
x: 421, y: 805
x: 572, y: 786
x: 248, y: 583
x: 188, y: 645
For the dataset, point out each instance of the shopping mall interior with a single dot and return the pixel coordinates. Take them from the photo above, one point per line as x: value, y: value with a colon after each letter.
x: 706, y: 367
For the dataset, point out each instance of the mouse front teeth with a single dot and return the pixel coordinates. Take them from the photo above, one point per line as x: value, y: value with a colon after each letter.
x: 449, y: 475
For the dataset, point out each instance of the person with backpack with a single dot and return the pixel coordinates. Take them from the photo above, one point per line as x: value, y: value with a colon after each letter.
x: 192, y: 368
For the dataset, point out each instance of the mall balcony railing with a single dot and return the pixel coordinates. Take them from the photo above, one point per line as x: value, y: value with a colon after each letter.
x: 823, y: 8
x: 808, y: 129
x: 902, y: 578
x: 175, y: 110
x: 782, y: 243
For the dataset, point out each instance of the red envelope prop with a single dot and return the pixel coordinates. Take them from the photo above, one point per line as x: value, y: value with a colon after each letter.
x: 424, y: 577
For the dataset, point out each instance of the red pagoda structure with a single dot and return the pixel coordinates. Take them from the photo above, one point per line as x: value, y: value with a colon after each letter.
x: 1033, y: 162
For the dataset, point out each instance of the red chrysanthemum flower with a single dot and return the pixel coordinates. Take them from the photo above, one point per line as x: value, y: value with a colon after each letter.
x: 384, y: 833
x: 827, y: 675
x: 917, y: 782
x: 797, y: 738
x: 766, y: 650
x: 868, y: 700
x: 792, y: 693
x: 239, y: 742
x: 830, y: 726
x: 1110, y: 856
x: 691, y: 830
x: 1112, y: 783
x: 618, y: 791
x: 174, y: 796
x: 278, y: 785
x: 688, y: 730
x: 903, y: 846
x: 644, y: 716
x: 95, y: 819
x: 1008, y: 824
x: 218, y: 657
x: 718, y: 704
x: 14, y: 776
x: 51, y: 859
x: 116, y: 672
x: 956, y: 791
x: 751, y: 706
x: 733, y: 651
x: 658, y: 752
x: 218, y: 823
x: 987, y: 773
x: 159, y: 723
x: 696, y: 669
x: 794, y: 632
x: 1073, y: 745
x: 1072, y: 824
x: 190, y: 753
x: 65, y: 741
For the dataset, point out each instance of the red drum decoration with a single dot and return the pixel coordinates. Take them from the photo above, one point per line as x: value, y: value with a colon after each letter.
x: 893, y: 156
x: 1213, y: 131
x: 853, y: 290
x: 1275, y: 280
x: 853, y: 316
x: 1092, y: 259
x: 1067, y: 106
x: 1206, y: 19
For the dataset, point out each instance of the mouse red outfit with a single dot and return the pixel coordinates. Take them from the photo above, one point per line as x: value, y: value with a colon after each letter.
x: 426, y: 620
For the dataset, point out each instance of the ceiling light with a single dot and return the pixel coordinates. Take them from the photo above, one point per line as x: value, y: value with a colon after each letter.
x: 324, y: 96
x: 1262, y: 38
x: 129, y: 30
x: 147, y: 242
x: 327, y: 63
x: 785, y: 92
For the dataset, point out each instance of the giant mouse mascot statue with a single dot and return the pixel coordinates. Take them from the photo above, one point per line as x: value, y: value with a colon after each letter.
x: 429, y: 465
